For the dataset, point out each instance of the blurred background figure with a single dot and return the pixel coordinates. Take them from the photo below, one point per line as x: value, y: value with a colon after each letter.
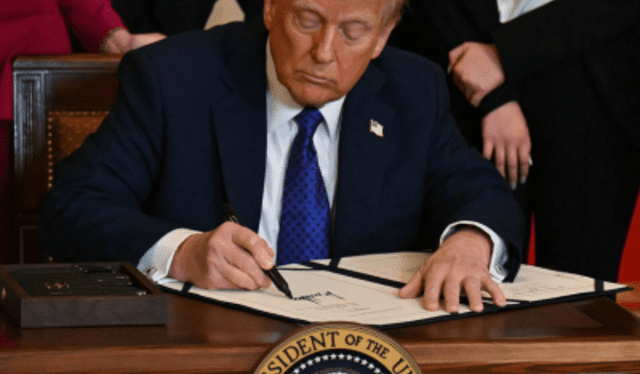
x: 174, y: 16
x: 556, y: 80
x: 44, y: 27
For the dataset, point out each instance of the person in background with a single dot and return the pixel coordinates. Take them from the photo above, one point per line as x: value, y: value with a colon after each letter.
x: 171, y: 17
x: 555, y: 82
x: 41, y: 27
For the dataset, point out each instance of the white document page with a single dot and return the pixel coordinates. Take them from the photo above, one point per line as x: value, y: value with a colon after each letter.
x: 323, y: 295
x: 531, y: 284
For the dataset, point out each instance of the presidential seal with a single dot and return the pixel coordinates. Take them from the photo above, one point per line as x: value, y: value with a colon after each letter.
x: 338, y: 348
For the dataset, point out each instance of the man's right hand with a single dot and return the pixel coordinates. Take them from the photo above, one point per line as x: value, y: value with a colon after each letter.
x: 231, y: 256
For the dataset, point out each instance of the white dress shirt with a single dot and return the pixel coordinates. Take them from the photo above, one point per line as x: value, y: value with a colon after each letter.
x: 281, y: 131
x: 511, y: 9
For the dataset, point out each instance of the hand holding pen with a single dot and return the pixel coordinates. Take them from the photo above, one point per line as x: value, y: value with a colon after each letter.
x: 272, y: 273
x: 229, y: 257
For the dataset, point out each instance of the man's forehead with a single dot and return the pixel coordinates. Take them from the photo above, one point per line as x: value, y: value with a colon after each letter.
x: 344, y: 7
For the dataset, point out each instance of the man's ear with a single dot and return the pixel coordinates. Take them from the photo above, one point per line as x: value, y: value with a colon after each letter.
x: 267, y: 13
x: 383, y: 37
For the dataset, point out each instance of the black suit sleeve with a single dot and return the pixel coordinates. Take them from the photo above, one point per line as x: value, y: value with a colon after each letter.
x: 168, y: 17
x: 559, y: 30
x: 531, y: 42
x: 447, y: 22
x: 252, y: 9
x: 176, y: 16
x: 137, y: 15
x: 171, y: 17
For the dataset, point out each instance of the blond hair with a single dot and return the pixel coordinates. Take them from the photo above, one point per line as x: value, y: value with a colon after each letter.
x: 393, y: 10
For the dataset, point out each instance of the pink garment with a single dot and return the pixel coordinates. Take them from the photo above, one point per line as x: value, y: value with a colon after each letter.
x: 39, y: 27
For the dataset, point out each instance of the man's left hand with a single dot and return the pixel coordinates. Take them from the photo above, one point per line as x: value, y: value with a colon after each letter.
x: 461, y: 262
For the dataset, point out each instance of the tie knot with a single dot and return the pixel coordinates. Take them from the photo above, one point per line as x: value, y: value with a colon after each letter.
x: 308, y: 120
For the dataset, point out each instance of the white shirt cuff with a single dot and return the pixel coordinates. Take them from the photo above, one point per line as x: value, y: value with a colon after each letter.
x: 155, y: 263
x: 499, y: 255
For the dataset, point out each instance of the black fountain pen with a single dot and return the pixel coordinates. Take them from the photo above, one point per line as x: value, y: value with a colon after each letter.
x: 272, y: 273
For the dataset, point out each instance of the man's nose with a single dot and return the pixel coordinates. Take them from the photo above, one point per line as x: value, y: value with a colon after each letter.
x: 324, y: 48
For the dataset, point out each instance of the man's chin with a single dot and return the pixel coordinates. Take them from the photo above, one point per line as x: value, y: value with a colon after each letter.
x: 315, y: 98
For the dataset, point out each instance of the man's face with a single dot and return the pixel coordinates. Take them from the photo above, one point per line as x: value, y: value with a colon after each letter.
x: 322, y: 47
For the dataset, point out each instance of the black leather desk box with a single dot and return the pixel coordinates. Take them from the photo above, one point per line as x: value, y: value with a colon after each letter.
x: 83, y: 294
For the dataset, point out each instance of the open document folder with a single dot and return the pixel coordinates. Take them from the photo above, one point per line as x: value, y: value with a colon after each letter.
x: 363, y: 289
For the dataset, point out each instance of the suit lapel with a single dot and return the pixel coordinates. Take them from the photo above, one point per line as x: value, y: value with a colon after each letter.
x: 361, y: 161
x: 239, y: 118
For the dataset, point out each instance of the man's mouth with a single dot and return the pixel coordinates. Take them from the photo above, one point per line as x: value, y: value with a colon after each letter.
x: 312, y: 78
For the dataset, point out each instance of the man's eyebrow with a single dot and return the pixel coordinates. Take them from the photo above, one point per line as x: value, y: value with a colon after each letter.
x: 359, y: 19
x: 363, y: 18
x: 306, y: 6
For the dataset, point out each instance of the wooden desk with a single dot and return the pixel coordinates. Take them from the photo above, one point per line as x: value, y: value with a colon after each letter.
x: 593, y: 335
x: 630, y: 299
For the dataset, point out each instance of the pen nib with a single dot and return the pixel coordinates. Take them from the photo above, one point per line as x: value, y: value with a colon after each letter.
x: 288, y: 293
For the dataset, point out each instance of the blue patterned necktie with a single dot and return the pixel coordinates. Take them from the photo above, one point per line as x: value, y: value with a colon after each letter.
x: 305, y: 219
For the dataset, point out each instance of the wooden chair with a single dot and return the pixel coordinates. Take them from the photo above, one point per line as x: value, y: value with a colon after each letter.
x: 58, y: 101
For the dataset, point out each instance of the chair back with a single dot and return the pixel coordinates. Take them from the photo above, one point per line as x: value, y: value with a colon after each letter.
x: 58, y: 102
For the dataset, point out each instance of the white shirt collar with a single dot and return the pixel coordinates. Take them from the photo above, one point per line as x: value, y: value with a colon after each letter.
x: 282, y: 108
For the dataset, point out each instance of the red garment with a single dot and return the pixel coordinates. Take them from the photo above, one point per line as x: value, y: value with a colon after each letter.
x: 39, y: 27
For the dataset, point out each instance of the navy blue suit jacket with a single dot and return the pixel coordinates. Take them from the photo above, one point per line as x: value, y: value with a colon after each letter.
x: 188, y: 132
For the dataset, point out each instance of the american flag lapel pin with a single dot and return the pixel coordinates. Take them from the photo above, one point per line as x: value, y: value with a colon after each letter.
x: 376, y: 128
